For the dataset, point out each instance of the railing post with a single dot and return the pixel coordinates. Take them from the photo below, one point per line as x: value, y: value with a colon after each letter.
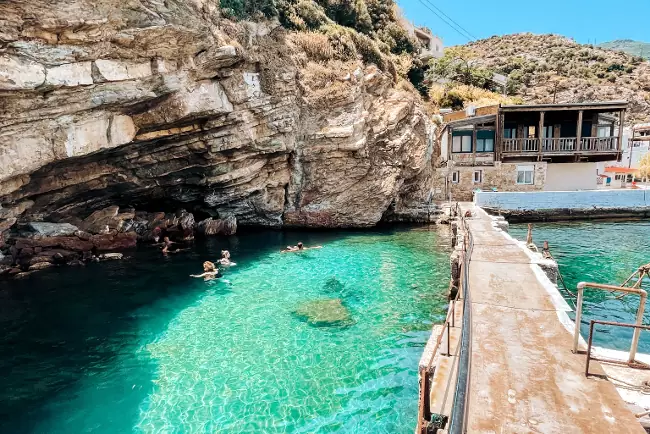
x: 591, y: 339
x: 637, y: 331
x: 579, y: 131
x: 576, y: 333
x: 540, y: 136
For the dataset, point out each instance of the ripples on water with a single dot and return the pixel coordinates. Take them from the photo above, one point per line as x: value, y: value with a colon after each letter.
x: 137, y: 346
x: 603, y: 252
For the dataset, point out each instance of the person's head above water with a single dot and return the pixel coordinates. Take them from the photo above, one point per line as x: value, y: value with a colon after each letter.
x: 208, y: 266
x: 300, y: 246
x: 225, y: 254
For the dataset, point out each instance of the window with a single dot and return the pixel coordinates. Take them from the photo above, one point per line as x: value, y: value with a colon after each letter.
x: 455, y: 177
x: 462, y: 143
x: 485, y: 141
x: 525, y: 175
x: 548, y: 131
x: 478, y: 176
x: 530, y: 132
x: 603, y: 131
x: 510, y: 133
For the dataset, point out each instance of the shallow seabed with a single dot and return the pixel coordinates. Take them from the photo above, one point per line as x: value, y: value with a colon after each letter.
x: 603, y: 252
x: 138, y: 346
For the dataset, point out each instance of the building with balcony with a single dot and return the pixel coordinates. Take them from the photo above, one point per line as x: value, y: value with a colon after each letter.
x: 530, y: 147
x: 430, y: 44
x: 637, y: 146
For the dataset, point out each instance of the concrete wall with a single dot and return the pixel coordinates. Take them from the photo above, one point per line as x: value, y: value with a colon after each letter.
x: 571, y: 200
x: 571, y: 176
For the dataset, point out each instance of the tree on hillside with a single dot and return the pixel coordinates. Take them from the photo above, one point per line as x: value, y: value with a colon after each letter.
x: 459, y: 64
x: 644, y: 167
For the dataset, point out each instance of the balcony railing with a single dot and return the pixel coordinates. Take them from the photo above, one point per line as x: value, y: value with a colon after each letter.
x: 561, y: 145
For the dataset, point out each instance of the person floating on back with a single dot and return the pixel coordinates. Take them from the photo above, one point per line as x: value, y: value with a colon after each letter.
x: 298, y: 248
x: 210, y: 271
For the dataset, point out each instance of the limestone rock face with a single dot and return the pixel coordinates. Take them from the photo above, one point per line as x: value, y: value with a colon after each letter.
x: 166, y: 105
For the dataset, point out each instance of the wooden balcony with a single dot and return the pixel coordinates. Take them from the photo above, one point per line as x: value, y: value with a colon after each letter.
x: 560, y: 146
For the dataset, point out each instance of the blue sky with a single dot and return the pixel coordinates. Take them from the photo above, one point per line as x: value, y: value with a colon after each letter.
x: 583, y: 20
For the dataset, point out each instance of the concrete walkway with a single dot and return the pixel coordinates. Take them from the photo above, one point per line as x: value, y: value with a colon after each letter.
x: 524, y: 377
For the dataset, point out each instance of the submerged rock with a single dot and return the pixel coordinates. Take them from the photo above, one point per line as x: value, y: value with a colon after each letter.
x: 325, y: 312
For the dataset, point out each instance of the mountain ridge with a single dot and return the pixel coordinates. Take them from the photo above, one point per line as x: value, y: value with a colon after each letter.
x: 630, y: 46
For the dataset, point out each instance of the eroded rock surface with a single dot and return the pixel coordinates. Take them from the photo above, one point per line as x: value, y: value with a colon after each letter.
x: 128, y: 104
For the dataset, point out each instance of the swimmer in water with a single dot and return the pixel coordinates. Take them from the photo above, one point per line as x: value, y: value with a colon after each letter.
x: 210, y: 271
x: 167, y: 244
x: 298, y: 248
x: 225, y: 259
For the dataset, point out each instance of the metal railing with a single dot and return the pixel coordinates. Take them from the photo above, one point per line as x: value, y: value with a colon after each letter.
x: 458, y: 419
x: 611, y: 288
x: 637, y: 329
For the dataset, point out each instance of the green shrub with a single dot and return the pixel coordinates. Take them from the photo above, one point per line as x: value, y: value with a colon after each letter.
x: 367, y: 48
x: 349, y: 13
x: 397, y: 39
x: 341, y: 41
x: 242, y: 9
x: 615, y: 67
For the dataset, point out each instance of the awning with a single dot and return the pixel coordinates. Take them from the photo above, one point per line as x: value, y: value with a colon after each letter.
x: 629, y: 170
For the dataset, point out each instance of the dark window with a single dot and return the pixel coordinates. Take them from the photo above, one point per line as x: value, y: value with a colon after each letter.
x: 485, y: 141
x: 461, y: 142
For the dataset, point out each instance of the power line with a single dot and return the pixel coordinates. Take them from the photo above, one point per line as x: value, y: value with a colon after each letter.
x: 451, y: 19
x: 457, y: 27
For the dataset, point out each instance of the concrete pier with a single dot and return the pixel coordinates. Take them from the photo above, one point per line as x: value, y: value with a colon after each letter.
x: 524, y: 377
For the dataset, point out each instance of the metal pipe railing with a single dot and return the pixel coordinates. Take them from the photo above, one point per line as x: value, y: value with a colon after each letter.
x: 458, y: 419
x: 636, y: 327
x: 639, y: 314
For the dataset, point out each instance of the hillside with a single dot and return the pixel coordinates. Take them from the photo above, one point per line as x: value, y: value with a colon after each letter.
x: 548, y: 68
x: 635, y: 48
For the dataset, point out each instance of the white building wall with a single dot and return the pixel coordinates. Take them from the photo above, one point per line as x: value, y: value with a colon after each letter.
x: 571, y: 176
x: 573, y: 200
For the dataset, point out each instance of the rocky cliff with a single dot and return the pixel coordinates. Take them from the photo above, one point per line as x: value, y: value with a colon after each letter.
x: 163, y: 105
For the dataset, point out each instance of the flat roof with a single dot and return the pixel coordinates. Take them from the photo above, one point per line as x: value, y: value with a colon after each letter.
x: 621, y: 170
x: 595, y: 105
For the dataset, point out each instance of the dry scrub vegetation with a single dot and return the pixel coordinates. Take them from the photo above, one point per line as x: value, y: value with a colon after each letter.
x: 331, y: 39
x: 548, y: 68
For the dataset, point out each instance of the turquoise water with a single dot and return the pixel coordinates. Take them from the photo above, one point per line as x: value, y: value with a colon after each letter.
x: 138, y: 346
x: 603, y: 252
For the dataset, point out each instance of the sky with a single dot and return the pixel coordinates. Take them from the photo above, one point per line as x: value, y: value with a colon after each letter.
x: 585, y: 21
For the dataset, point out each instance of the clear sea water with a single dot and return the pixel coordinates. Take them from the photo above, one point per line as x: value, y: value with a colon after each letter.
x: 603, y: 252
x: 138, y: 346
